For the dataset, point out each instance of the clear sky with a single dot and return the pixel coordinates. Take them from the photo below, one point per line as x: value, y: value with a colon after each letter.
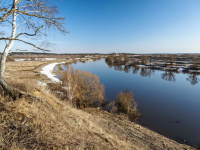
x: 129, y: 26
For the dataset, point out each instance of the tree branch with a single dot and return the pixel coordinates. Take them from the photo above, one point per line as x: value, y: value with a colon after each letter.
x: 10, y: 11
x: 51, y: 20
x: 21, y: 23
x: 4, y: 9
x: 29, y: 34
x: 44, y: 50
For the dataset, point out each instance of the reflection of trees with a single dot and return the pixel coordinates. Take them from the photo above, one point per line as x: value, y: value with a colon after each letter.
x: 146, y: 72
x: 193, y: 79
x: 118, y: 67
x: 127, y: 69
x: 135, y: 70
x: 109, y: 62
x: 168, y: 76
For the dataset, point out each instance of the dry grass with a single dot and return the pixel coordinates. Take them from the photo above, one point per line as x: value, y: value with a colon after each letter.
x: 28, y: 124
x: 34, y: 125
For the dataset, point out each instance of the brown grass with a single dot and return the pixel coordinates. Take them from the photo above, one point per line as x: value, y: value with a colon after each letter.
x: 28, y: 124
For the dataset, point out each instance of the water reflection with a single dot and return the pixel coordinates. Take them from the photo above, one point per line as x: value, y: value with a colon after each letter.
x: 109, y: 62
x: 127, y: 69
x: 146, y: 72
x: 135, y: 69
x: 193, y: 79
x: 167, y: 114
x: 168, y: 76
x: 118, y: 67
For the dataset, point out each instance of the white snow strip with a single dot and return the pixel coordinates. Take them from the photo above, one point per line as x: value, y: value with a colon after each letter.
x: 141, y: 65
x: 48, y: 71
x: 19, y: 59
x: 41, y: 83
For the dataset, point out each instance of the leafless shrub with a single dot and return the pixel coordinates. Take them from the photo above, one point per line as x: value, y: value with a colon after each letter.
x: 193, y: 66
x: 145, y: 59
x: 81, y: 89
x: 124, y: 105
x: 112, y: 107
x: 127, y: 105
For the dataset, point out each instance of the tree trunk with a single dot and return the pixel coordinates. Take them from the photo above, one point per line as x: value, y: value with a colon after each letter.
x: 8, y: 89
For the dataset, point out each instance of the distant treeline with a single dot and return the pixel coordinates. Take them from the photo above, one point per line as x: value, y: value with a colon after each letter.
x: 33, y: 53
x: 36, y: 53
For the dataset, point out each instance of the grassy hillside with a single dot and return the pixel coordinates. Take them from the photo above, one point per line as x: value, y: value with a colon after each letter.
x: 54, y: 124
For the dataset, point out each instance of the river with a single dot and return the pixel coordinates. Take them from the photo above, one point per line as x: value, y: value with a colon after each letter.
x: 169, y: 102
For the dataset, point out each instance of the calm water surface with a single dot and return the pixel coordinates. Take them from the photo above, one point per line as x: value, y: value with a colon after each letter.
x: 169, y: 102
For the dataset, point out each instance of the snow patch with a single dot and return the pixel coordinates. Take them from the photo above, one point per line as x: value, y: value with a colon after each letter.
x: 19, y: 59
x: 48, y: 71
x: 41, y: 83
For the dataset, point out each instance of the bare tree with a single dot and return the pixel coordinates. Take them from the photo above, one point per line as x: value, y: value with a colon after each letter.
x: 127, y: 104
x: 83, y: 89
x: 70, y: 83
x: 112, y: 107
x: 145, y: 59
x: 8, y: 11
x: 171, y: 58
x: 90, y: 90
x: 195, y: 60
x: 26, y: 18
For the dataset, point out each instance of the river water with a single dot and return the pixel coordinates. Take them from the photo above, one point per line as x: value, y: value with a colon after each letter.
x: 169, y: 102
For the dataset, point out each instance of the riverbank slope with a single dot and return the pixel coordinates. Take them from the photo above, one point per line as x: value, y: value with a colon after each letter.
x: 53, y: 124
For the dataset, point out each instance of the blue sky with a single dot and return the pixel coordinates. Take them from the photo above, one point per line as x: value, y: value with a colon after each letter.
x: 129, y: 26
